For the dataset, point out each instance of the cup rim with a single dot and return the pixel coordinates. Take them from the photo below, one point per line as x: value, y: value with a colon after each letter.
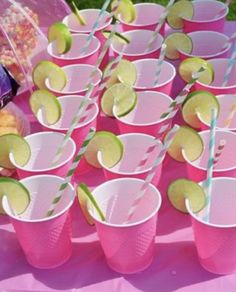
x: 128, y: 224
x: 205, y: 168
x: 208, y: 223
x: 129, y: 173
x: 146, y: 24
x: 120, y: 119
x: 89, y: 30
x: 212, y: 56
x: 47, y: 83
x: 46, y: 218
x: 90, y: 53
x: 217, y: 87
x: 140, y: 54
x: 223, y: 15
x: 160, y: 84
x: 23, y: 168
x: 51, y: 127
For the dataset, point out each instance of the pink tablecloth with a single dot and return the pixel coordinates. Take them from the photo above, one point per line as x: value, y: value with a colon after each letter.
x: 175, y: 267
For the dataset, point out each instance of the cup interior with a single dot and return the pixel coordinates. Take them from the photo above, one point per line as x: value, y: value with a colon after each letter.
x: 146, y: 71
x: 138, y: 43
x: 150, y: 106
x: 42, y: 189
x: 116, y: 197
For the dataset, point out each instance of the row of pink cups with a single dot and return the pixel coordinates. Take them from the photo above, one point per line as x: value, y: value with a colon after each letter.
x: 130, y: 247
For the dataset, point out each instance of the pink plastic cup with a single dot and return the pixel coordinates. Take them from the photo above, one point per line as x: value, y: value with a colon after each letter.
x: 216, y: 87
x: 128, y: 248
x: 226, y: 102
x: 145, y: 117
x: 208, y: 45
x: 46, y: 242
x: 226, y: 165
x: 43, y: 147
x: 70, y: 105
x: 147, y: 17
x: 135, y: 148
x: 216, y: 240
x: 77, y: 80
x: 74, y: 56
x: 146, y: 70
x: 208, y: 15
x: 137, y: 48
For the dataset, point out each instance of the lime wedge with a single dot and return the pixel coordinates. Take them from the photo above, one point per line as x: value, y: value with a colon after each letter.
x: 125, y: 72
x: 119, y: 98
x: 192, y: 65
x: 76, y: 12
x: 17, y: 145
x: 199, y: 104
x: 60, y: 33
x: 118, y: 36
x: 85, y: 197
x: 182, y: 189
x: 17, y: 194
x: 181, y: 9
x: 176, y: 42
x: 188, y: 140
x: 46, y: 69
x: 125, y: 9
x: 43, y: 99
x: 110, y: 147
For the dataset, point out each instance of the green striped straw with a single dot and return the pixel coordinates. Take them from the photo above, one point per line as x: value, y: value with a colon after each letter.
x: 70, y: 173
x: 208, y: 183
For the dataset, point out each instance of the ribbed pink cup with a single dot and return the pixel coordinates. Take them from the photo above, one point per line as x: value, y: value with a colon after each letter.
x: 70, y: 105
x: 77, y: 80
x: 128, y: 248
x: 216, y: 240
x: 208, y: 45
x: 226, y: 165
x: 145, y: 117
x: 135, y: 148
x: 147, y: 17
x: 216, y: 87
x: 226, y: 102
x: 90, y: 16
x: 74, y: 56
x: 43, y: 147
x: 208, y: 15
x: 46, y: 242
x: 137, y: 48
x: 146, y: 70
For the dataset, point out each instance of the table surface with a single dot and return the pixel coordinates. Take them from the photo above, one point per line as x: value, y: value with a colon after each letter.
x: 175, y: 266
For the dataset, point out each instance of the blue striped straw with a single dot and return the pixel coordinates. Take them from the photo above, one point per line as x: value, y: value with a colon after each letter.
x: 230, y: 65
x: 159, y: 64
x: 208, y: 183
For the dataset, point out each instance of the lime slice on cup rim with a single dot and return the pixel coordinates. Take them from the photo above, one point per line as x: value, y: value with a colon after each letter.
x: 60, y: 33
x: 178, y: 11
x: 182, y: 189
x: 125, y: 10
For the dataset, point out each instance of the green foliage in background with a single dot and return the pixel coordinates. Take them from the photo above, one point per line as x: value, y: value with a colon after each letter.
x: 82, y: 4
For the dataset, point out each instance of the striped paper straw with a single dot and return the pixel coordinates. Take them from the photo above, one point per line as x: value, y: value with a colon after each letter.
x: 159, y: 25
x: 151, y: 174
x: 229, y: 68
x: 219, y: 151
x: 71, y: 171
x: 85, y: 100
x: 232, y: 39
x: 159, y: 64
x: 230, y: 117
x: 208, y: 182
x: 227, y: 3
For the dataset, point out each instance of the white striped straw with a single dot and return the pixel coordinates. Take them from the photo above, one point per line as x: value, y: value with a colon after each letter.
x: 159, y: 25
x: 219, y: 151
x: 96, y: 23
x: 168, y: 140
x: 230, y: 117
x: 85, y: 100
x: 159, y: 64
x: 223, y: 10
x: 70, y: 173
x: 232, y: 39
x: 230, y: 65
x: 208, y: 182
